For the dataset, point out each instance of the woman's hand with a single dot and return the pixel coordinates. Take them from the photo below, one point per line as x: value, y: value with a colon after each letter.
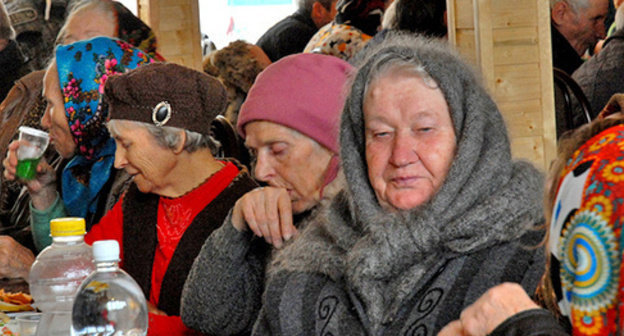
x: 267, y: 212
x: 491, y: 309
x: 42, y: 189
x: 614, y: 106
x: 15, y: 259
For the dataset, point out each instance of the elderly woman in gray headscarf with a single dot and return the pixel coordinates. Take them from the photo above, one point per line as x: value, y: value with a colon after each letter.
x: 435, y: 212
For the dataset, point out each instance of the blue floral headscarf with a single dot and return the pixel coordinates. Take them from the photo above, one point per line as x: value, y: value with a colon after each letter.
x: 83, y: 68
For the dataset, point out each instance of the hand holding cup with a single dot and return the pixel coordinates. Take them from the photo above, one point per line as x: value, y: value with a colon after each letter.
x: 33, y: 144
x: 23, y: 162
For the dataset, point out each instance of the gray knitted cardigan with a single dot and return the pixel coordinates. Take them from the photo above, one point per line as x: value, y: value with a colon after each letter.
x: 223, y: 291
x: 363, y: 270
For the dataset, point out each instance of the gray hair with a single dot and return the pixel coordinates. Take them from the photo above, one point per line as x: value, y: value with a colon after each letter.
x: 576, y: 5
x: 388, y: 63
x: 307, y: 4
x: 169, y: 137
x: 103, y: 7
x: 6, y: 30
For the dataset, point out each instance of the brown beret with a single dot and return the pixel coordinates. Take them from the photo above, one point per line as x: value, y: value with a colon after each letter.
x: 166, y: 94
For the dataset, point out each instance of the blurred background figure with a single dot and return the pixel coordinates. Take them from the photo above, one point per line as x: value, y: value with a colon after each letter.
x: 36, y: 24
x: 13, y: 63
x: 356, y: 22
x: 576, y: 26
x: 426, y: 17
x: 91, y: 18
x: 423, y: 17
x: 291, y: 35
x: 236, y: 66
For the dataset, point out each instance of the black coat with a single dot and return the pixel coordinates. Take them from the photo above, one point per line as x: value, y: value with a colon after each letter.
x: 288, y: 36
x: 564, y: 56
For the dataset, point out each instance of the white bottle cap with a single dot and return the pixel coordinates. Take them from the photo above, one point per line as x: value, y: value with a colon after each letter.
x: 106, y: 250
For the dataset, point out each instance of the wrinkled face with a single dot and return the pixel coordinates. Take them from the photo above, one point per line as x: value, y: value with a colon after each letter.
x: 287, y: 159
x: 410, y: 140
x: 585, y: 28
x: 89, y: 24
x: 54, y: 119
x: 142, y: 157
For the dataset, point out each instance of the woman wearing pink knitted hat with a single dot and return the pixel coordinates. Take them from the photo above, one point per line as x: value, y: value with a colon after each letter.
x: 290, y: 124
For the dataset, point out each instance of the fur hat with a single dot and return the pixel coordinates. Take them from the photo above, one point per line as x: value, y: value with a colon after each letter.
x: 166, y: 94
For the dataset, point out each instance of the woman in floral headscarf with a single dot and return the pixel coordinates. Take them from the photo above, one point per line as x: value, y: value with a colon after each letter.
x: 356, y: 22
x: 73, y: 85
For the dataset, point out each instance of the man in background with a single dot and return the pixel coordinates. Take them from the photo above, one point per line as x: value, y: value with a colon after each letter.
x: 291, y: 35
x: 576, y: 26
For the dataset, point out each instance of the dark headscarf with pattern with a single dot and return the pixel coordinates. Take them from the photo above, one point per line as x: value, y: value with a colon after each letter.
x: 134, y: 31
x: 363, y: 14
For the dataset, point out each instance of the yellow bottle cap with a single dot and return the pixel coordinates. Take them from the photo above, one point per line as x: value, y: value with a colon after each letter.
x: 70, y: 226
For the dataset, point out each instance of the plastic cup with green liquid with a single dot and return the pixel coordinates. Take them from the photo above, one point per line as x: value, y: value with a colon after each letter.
x: 33, y: 143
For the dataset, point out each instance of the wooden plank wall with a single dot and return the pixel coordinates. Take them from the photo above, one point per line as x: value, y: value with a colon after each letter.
x: 509, y: 41
x: 176, y: 25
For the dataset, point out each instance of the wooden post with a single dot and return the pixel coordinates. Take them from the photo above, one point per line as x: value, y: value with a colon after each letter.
x: 509, y: 41
x: 176, y: 25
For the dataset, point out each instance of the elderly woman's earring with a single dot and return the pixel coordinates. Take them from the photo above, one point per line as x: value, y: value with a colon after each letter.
x: 161, y: 113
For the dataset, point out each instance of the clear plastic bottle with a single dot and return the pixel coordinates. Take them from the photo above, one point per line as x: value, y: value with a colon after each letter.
x: 109, y: 301
x: 57, y: 273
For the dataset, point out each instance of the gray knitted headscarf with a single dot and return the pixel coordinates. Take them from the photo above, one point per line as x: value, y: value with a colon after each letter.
x: 486, y: 199
x: 482, y: 167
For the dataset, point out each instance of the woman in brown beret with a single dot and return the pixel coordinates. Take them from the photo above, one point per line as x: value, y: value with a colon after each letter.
x: 160, y: 119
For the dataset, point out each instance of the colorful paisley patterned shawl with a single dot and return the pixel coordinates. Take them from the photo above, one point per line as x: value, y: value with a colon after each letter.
x: 585, y: 237
x: 337, y: 39
x: 83, y: 68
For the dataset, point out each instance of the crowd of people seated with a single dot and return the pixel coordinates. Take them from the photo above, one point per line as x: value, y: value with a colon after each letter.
x: 379, y: 195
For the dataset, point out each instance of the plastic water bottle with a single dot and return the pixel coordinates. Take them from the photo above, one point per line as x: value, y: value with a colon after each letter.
x: 57, y: 273
x: 109, y: 301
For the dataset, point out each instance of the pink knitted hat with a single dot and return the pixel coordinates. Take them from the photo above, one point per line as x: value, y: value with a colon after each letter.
x: 303, y: 92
